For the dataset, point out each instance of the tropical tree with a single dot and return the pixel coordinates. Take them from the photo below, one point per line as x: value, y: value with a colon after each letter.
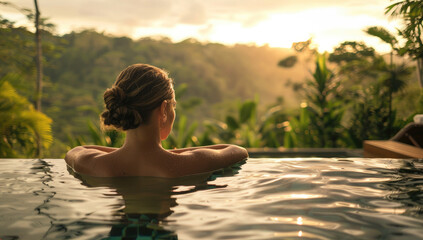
x: 370, y: 85
x: 369, y: 116
x: 39, y: 24
x: 326, y: 108
x: 411, y: 12
x: 353, y: 60
x: 21, y: 125
x: 303, y: 50
x: 319, y: 122
x: 392, y: 76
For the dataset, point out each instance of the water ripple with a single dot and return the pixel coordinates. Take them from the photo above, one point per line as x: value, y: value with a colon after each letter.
x: 310, y: 198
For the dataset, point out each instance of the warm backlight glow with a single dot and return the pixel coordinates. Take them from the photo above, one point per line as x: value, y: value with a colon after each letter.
x: 271, y: 23
x: 327, y: 26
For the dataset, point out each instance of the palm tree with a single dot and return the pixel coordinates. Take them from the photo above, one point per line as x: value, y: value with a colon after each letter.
x: 21, y: 125
x: 386, y: 37
x: 394, y: 76
x: 411, y: 12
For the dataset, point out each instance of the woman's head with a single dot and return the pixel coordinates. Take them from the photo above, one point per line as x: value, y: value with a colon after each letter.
x: 138, y: 90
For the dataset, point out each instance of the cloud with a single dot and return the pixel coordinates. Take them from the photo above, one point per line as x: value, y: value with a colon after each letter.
x: 194, y: 14
x: 132, y: 12
x: 151, y: 13
x: 252, y: 20
x: 206, y: 31
x: 227, y: 21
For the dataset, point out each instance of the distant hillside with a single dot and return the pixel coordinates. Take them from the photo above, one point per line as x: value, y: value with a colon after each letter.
x: 90, y: 61
x: 78, y: 67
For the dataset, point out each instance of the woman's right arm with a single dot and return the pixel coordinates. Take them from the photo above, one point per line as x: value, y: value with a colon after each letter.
x: 81, y: 158
x: 73, y: 155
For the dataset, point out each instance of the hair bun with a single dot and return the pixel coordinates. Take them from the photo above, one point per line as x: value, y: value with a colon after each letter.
x: 138, y: 90
x: 114, y: 97
x: 118, y: 113
x: 122, y: 118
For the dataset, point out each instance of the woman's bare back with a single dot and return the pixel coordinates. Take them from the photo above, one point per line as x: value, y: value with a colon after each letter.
x: 94, y: 161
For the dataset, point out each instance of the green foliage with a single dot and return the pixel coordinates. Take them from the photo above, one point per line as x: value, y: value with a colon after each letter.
x: 325, y: 109
x: 303, y: 46
x: 288, y: 62
x: 370, y: 117
x: 349, y: 51
x: 30, y: 15
x: 107, y: 137
x: 247, y: 129
x: 370, y: 85
x: 20, y: 125
x: 382, y: 34
x: 242, y: 129
x: 359, y: 109
x: 271, y: 126
x: 89, y: 62
x: 412, y: 14
x: 247, y: 112
x: 182, y: 134
x: 86, y: 63
x: 298, y: 130
x: 186, y: 104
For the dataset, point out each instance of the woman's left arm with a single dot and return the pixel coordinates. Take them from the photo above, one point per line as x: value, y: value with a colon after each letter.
x: 215, y: 147
x: 101, y: 148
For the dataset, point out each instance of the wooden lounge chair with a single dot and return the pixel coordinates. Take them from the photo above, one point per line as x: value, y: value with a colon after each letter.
x: 407, y: 143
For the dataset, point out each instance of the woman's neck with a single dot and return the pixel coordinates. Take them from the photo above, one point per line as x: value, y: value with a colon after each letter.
x: 145, y: 137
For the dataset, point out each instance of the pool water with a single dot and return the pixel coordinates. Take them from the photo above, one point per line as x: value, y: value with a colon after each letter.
x: 264, y: 198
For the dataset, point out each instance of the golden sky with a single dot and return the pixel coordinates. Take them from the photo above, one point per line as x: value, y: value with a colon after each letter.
x: 278, y: 23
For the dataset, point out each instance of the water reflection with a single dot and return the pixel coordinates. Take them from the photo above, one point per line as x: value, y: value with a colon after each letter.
x: 42, y: 173
x: 407, y: 187
x: 148, y: 201
x: 363, y: 199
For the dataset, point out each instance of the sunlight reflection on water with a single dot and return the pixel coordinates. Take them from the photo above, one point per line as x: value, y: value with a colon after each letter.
x: 265, y: 198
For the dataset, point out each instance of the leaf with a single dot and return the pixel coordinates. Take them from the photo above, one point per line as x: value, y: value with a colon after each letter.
x: 21, y: 125
x: 181, y: 129
x: 288, y: 62
x: 96, y: 134
x: 382, y: 34
x: 232, y: 123
x: 189, y: 134
x: 247, y: 111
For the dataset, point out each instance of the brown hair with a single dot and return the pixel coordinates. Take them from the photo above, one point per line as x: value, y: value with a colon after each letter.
x: 138, y: 90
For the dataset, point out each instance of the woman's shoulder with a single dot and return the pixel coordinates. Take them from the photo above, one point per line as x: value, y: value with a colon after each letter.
x: 85, y: 159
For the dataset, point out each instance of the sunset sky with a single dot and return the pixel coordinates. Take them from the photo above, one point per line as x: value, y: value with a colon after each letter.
x: 278, y: 23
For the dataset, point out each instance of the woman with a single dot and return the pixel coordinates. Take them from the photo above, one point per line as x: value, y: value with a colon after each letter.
x: 142, y: 103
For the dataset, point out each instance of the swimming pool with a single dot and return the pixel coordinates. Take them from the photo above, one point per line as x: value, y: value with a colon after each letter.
x: 265, y: 198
